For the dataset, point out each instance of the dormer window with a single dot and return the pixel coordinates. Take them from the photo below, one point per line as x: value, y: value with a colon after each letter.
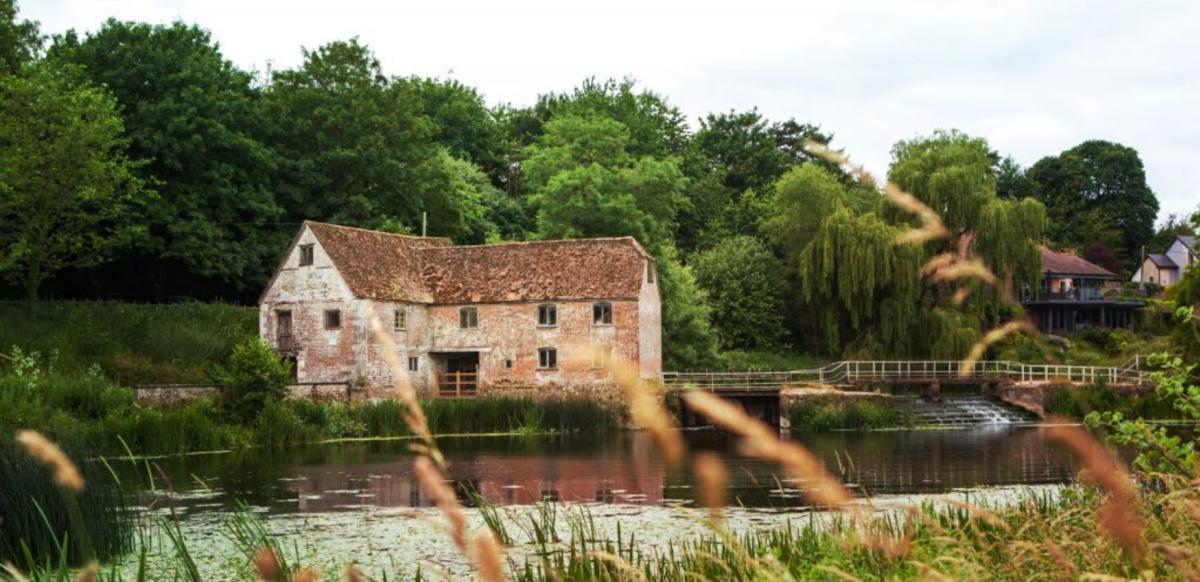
x: 306, y: 255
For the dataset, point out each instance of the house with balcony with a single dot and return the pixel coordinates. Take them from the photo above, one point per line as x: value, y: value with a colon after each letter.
x: 1167, y: 267
x: 534, y: 318
x: 1076, y: 294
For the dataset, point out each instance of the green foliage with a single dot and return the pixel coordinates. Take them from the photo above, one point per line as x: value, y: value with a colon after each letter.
x: 745, y: 286
x: 353, y: 147
x: 833, y: 412
x: 44, y: 524
x: 254, y: 378
x: 20, y: 42
x: 1097, y: 187
x: 745, y: 360
x: 132, y: 344
x: 802, y: 199
x: 748, y: 152
x: 1159, y: 450
x: 66, y: 185
x: 194, y: 117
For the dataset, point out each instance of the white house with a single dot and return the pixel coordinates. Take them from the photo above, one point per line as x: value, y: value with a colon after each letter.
x: 1166, y: 268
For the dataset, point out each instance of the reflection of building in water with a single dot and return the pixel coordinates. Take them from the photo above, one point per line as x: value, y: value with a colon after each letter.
x: 627, y: 475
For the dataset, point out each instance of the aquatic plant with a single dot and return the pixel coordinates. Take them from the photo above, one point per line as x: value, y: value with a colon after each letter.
x: 53, y: 510
x: 830, y: 413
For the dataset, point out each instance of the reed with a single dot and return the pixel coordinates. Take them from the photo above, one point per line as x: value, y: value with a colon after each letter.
x: 41, y: 525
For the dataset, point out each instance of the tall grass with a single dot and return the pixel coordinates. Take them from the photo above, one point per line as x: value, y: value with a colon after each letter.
x: 132, y: 344
x: 35, y: 517
x: 832, y: 412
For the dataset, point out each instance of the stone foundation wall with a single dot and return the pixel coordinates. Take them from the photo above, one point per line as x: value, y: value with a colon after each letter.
x: 167, y: 396
x: 1033, y: 396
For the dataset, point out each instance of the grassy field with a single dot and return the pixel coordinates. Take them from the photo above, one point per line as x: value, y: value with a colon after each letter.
x: 132, y: 344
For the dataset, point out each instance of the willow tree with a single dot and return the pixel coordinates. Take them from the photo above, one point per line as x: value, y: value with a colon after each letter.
x: 870, y: 292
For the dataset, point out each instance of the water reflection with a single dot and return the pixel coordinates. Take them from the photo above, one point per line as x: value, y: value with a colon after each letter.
x: 619, y: 468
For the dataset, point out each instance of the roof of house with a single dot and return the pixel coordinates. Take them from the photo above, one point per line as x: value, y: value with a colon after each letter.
x: 1188, y: 241
x: 1056, y: 263
x: 393, y: 267
x: 1162, y: 261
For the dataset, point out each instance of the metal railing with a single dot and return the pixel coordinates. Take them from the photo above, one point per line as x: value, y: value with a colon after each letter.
x: 913, y: 371
x: 457, y: 384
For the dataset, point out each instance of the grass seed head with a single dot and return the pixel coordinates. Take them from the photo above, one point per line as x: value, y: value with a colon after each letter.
x: 759, y: 441
x: 62, y: 470
x: 1119, y: 512
x: 266, y: 566
x: 488, y: 559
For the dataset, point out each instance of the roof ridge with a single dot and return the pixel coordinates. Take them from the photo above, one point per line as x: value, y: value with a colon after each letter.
x: 548, y: 241
x: 373, y: 231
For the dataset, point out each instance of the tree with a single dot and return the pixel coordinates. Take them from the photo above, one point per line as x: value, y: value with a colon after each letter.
x: 66, y: 184
x: 749, y: 152
x: 20, y: 42
x: 461, y: 122
x: 803, y: 198
x: 865, y: 293
x: 1101, y: 176
x: 353, y: 147
x: 194, y: 117
x: 584, y: 181
x: 745, y: 286
x: 1011, y: 180
x: 1173, y: 226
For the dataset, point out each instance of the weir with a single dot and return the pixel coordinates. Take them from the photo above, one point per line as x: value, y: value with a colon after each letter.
x: 1017, y: 390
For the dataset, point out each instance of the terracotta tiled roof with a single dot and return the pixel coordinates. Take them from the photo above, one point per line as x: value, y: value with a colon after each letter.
x: 428, y: 270
x: 535, y: 271
x: 1057, y: 263
x: 377, y: 265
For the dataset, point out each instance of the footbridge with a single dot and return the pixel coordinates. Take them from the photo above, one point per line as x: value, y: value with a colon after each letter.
x: 766, y: 394
x: 851, y: 374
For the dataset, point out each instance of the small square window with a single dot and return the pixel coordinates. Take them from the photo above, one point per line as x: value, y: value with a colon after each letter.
x: 508, y: 364
x: 601, y: 356
x: 547, y: 358
x: 306, y: 255
x: 333, y: 319
x: 468, y: 318
x: 602, y: 314
x: 413, y: 363
x: 400, y: 320
x: 548, y: 315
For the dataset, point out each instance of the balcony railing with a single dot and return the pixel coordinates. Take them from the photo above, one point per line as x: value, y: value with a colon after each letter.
x: 287, y: 343
x: 1076, y: 294
x: 457, y: 384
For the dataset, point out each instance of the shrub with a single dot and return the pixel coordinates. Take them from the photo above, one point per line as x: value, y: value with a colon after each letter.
x: 254, y: 377
x: 831, y: 413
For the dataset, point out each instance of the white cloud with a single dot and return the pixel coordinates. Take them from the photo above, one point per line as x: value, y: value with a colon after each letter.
x: 1033, y: 77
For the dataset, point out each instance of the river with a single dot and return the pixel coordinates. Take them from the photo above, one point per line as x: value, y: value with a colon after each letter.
x: 360, y: 501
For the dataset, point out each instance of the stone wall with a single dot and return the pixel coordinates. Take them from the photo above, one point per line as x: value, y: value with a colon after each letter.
x: 1033, y: 396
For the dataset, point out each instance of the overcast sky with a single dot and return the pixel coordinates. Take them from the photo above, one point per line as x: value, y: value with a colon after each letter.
x: 1033, y: 77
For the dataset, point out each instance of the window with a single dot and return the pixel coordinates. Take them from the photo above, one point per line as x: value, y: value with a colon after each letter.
x: 601, y: 356
x: 602, y: 314
x: 508, y: 364
x: 547, y: 315
x: 547, y: 358
x: 306, y: 255
x: 333, y: 319
x: 468, y: 318
x: 400, y: 320
x: 413, y: 362
x: 649, y: 271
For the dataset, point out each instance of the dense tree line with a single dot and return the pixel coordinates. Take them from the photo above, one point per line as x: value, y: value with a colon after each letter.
x: 138, y: 163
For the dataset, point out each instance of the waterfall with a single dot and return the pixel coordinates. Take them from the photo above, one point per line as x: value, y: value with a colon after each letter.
x: 963, y: 411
